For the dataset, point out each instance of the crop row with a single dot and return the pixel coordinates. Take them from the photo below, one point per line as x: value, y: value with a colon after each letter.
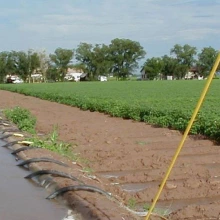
x: 165, y: 104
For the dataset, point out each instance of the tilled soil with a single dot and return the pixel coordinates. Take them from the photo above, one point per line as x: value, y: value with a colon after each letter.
x: 129, y: 160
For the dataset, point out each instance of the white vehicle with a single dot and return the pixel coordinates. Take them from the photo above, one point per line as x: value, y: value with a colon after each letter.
x: 102, y: 78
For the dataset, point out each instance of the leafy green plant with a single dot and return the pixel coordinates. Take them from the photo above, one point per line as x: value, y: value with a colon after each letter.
x: 142, y: 142
x: 27, y: 122
x: 132, y: 203
x: 52, y: 143
x: 87, y: 170
x: 161, y: 103
x: 159, y: 211
x: 22, y: 118
x: 146, y: 207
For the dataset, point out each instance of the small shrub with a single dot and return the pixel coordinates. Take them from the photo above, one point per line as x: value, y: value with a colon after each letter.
x: 132, y: 203
x: 22, y: 118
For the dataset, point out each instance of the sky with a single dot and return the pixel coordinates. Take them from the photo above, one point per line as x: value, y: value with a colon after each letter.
x: 156, y: 24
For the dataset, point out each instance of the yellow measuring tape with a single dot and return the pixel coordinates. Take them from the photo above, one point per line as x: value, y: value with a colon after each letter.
x: 204, y: 92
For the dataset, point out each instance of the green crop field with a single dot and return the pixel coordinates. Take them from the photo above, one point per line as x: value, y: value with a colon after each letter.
x: 162, y: 103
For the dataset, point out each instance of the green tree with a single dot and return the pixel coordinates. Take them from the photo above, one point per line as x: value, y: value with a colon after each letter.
x: 3, y: 62
x: 11, y: 62
x: 94, y: 60
x: 124, y: 55
x: 101, y: 61
x: 185, y: 56
x: 52, y: 74
x: 62, y: 59
x: 34, y: 62
x: 153, y: 67
x: 26, y: 63
x: 7, y: 64
x: 206, y: 60
x: 84, y: 56
x: 44, y: 61
x: 170, y: 66
x: 22, y: 64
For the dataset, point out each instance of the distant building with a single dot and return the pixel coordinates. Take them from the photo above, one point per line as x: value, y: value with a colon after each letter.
x: 73, y: 74
x: 102, y: 78
x: 74, y: 70
x: 193, y: 73
x: 13, y: 79
x: 143, y: 74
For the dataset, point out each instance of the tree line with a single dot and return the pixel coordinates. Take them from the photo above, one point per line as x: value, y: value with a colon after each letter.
x: 182, y: 59
x: 119, y: 58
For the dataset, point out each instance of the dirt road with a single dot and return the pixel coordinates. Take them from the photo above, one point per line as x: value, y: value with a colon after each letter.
x: 132, y: 157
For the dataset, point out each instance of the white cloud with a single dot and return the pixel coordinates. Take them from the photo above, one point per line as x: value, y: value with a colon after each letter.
x: 198, y: 33
x: 53, y: 23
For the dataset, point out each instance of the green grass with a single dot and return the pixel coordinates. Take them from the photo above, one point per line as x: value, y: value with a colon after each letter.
x: 159, y: 211
x: 22, y: 118
x: 162, y: 103
x: 132, y: 203
x: 52, y: 143
x: 27, y: 122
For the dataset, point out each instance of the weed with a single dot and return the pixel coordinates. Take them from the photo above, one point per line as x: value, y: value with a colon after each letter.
x: 159, y: 211
x: 26, y: 122
x: 132, y: 203
x: 22, y: 118
x: 146, y: 207
x: 52, y: 143
x: 87, y: 170
x: 142, y: 142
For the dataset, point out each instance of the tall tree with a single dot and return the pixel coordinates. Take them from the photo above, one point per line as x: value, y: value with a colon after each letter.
x: 11, y: 64
x: 44, y: 61
x: 52, y: 74
x: 101, y: 60
x: 170, y: 66
x: 3, y: 62
x: 153, y: 67
x: 7, y: 64
x: 125, y: 54
x: 61, y: 59
x: 206, y: 60
x: 85, y: 56
x: 27, y: 63
x: 185, y: 56
x: 94, y: 60
x: 22, y: 63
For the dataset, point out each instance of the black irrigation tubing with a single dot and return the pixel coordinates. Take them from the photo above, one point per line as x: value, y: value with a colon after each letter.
x: 42, y: 159
x: 78, y: 188
x: 10, y: 143
x: 4, y: 121
x: 53, y: 172
x: 10, y: 130
x: 23, y: 149
x: 6, y: 136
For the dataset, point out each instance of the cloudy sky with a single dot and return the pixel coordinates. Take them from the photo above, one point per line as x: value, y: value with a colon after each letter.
x: 156, y: 24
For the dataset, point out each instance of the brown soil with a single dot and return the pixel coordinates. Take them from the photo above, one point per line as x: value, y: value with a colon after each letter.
x: 129, y: 160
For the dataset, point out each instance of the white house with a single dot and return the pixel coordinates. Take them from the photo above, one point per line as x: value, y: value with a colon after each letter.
x: 73, y: 76
x: 13, y: 79
x: 102, y: 78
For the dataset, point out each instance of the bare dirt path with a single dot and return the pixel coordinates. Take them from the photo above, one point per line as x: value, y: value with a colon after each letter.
x: 134, y: 156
